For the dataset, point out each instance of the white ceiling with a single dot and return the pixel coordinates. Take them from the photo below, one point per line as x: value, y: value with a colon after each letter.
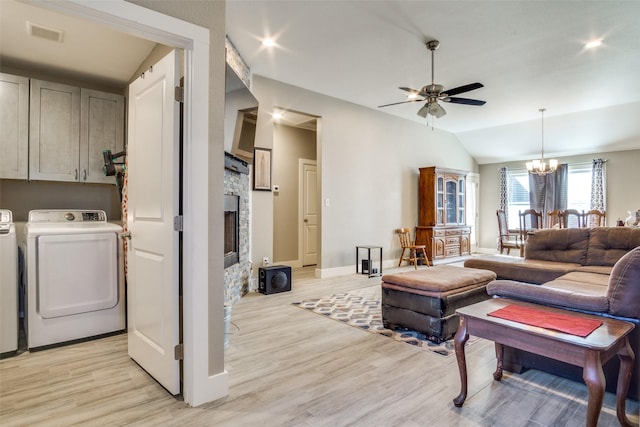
x: 87, y: 51
x: 528, y: 54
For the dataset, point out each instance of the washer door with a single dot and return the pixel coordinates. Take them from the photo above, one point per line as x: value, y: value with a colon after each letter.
x: 77, y: 273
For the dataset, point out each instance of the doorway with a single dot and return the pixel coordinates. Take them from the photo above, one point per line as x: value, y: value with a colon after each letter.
x: 296, y: 215
x: 204, y: 376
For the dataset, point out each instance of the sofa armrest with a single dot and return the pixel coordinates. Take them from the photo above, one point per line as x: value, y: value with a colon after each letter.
x: 544, y: 295
x: 624, y: 286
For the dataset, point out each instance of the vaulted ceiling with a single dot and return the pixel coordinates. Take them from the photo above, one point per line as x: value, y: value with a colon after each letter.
x: 527, y: 54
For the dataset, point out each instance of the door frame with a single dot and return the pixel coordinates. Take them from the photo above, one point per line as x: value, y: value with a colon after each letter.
x: 301, y: 163
x: 203, y: 310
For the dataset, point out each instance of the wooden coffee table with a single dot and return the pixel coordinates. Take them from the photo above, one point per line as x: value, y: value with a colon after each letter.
x: 610, y: 339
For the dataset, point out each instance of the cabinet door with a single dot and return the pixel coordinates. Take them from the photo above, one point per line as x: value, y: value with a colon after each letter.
x: 461, y: 201
x: 440, y: 200
x: 101, y: 128
x: 14, y: 126
x: 451, y: 195
x: 54, y: 131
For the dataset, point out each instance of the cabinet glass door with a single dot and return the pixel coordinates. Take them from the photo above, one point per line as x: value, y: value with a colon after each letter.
x: 451, y: 206
x: 461, y: 217
x: 440, y: 201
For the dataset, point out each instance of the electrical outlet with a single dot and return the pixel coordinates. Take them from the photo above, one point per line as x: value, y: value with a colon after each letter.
x: 265, y: 261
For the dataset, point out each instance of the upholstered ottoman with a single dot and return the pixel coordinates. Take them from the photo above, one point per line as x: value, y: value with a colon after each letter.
x: 426, y: 300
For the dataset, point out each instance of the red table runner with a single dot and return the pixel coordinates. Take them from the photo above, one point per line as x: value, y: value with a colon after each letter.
x: 558, y: 322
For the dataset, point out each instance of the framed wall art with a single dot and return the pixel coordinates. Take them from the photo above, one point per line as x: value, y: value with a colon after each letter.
x: 262, y: 169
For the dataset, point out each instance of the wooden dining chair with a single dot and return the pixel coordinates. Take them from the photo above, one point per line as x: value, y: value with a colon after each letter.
x: 408, y: 244
x: 506, y: 239
x: 571, y: 218
x: 594, y: 218
x: 554, y: 219
x: 530, y: 220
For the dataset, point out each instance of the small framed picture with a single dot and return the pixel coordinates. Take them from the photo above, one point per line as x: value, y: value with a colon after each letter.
x: 262, y: 169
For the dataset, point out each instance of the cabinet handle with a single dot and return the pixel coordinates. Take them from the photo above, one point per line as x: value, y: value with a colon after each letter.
x: 76, y: 178
x: 84, y: 174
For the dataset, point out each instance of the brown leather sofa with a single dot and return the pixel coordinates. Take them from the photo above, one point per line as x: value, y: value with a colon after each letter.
x: 594, y: 271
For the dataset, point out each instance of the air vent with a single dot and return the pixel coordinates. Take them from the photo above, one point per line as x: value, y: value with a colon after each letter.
x: 37, y: 30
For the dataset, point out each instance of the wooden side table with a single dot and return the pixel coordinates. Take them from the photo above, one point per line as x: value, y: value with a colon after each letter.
x: 609, y: 340
x: 370, y: 268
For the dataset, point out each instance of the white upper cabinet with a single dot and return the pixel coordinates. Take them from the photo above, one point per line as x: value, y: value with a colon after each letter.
x: 69, y: 129
x: 54, y: 132
x: 14, y: 126
x: 101, y: 128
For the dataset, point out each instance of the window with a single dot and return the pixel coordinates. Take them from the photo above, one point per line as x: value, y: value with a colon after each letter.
x: 578, y: 191
x: 518, y: 193
x: 579, y: 187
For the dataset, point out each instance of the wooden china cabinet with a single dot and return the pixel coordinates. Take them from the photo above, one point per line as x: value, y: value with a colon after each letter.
x: 441, y: 213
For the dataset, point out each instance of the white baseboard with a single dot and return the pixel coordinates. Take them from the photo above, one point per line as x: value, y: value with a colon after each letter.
x: 351, y: 269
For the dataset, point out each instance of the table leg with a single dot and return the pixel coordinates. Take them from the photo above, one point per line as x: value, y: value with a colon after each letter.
x: 627, y: 359
x: 594, y: 378
x: 497, y: 375
x: 460, y: 340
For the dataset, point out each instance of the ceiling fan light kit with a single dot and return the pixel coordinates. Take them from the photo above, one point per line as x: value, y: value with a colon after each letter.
x: 434, y: 92
x: 540, y: 167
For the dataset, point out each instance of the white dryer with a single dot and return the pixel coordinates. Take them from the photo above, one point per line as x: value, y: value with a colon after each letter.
x: 74, y: 280
x: 8, y: 284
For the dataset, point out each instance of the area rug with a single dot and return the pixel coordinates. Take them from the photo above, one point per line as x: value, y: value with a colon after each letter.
x: 364, y: 312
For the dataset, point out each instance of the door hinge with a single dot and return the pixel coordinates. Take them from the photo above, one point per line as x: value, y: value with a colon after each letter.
x: 178, y: 352
x: 177, y: 223
x: 179, y: 94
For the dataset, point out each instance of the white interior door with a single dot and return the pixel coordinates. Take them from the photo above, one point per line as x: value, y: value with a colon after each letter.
x: 153, y: 196
x: 309, y: 213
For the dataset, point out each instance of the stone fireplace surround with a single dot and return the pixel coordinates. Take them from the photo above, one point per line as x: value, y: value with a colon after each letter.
x: 236, y: 183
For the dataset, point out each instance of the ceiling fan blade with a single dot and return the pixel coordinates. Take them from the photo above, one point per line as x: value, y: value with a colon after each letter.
x: 408, y: 89
x: 401, y: 102
x: 462, y: 89
x: 465, y: 101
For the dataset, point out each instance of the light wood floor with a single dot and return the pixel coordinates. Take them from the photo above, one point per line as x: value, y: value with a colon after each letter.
x: 289, y: 367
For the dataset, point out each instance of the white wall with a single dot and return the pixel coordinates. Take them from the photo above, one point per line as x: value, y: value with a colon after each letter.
x: 368, y: 169
x: 623, y: 193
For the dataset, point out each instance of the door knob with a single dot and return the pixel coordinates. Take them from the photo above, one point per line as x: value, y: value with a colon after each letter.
x: 306, y: 220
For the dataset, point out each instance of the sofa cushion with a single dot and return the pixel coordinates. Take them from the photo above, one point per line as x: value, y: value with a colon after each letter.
x: 608, y: 244
x: 600, y: 269
x: 559, y: 245
x: 557, y: 296
x: 624, y: 286
x: 519, y: 269
x: 586, y: 278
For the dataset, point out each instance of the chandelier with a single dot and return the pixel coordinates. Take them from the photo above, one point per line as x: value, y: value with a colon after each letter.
x: 541, y: 167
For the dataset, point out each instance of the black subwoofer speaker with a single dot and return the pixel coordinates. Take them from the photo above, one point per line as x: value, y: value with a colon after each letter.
x: 274, y: 279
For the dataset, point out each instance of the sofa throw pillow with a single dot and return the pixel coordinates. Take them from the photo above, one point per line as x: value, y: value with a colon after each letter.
x: 624, y: 286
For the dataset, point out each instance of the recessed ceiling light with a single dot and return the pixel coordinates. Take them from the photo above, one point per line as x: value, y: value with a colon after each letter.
x: 268, y: 42
x: 593, y: 43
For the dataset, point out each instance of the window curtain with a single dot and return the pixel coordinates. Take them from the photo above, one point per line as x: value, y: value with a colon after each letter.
x: 597, y: 188
x: 597, y: 184
x: 504, y: 196
x: 549, y: 192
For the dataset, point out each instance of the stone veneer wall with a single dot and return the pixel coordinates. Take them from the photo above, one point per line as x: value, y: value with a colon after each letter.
x: 236, y: 277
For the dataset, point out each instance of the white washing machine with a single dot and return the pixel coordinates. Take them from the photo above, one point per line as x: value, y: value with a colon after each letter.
x: 74, y: 280
x: 8, y: 284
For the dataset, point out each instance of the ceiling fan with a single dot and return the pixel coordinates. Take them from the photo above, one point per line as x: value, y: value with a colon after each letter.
x: 433, y: 93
